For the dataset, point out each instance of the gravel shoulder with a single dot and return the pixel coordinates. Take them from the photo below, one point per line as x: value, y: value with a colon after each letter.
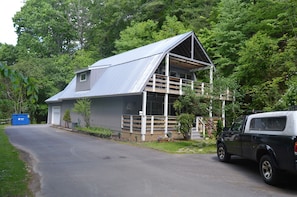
x: 34, y: 177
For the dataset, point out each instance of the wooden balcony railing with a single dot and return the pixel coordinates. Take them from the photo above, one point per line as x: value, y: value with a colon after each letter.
x: 173, y: 85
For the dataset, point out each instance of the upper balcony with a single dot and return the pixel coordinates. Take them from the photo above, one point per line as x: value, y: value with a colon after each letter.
x: 173, y: 85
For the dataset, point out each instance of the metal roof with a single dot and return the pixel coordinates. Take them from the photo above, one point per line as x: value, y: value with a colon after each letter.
x: 128, y: 72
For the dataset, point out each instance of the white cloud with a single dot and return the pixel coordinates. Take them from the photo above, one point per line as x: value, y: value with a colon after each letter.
x: 8, y: 9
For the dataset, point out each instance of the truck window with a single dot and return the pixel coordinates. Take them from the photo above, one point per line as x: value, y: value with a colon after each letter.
x: 237, y: 125
x: 268, y: 123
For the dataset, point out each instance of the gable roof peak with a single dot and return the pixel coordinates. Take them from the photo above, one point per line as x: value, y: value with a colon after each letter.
x: 152, y: 49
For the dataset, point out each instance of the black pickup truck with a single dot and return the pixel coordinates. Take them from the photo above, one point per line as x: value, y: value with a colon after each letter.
x: 267, y: 138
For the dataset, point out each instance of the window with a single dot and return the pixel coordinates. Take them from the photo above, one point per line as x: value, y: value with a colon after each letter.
x: 237, y: 125
x: 83, y: 77
x: 268, y: 124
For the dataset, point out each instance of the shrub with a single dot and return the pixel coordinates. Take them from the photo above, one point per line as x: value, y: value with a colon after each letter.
x: 96, y: 131
x: 67, y: 118
x: 83, y: 107
x: 185, y: 124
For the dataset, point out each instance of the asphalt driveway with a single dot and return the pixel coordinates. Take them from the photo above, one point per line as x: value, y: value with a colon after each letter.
x: 72, y: 164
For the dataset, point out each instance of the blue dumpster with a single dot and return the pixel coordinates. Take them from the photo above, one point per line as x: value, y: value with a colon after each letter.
x: 20, y: 119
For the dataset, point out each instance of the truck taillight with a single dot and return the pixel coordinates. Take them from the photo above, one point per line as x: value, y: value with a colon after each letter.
x: 295, y: 148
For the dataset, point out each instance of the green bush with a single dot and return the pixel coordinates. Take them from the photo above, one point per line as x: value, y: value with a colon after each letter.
x: 185, y: 124
x: 96, y: 131
x: 67, y: 118
x: 83, y: 107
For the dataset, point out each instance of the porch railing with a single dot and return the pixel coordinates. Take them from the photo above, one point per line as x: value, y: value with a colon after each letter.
x: 132, y: 123
x: 156, y: 123
x: 173, y: 85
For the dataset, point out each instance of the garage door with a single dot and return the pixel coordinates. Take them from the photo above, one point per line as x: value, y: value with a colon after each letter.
x: 56, y: 115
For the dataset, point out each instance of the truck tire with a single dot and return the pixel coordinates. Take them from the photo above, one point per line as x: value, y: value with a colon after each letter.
x: 222, y: 153
x: 268, y: 171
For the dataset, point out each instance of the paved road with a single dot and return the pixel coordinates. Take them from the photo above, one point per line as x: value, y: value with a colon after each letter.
x: 73, y: 165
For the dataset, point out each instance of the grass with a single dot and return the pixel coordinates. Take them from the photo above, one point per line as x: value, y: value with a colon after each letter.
x: 183, y: 147
x: 14, y: 176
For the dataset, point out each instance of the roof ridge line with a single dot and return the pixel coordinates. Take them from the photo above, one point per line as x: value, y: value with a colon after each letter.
x: 118, y: 64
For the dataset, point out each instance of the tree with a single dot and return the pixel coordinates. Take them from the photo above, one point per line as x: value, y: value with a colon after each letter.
x: 143, y: 33
x: 53, y: 74
x: 81, y: 59
x: 20, y: 90
x: 136, y: 35
x: 8, y: 54
x: 67, y: 118
x: 251, y: 44
x: 225, y: 38
x: 185, y: 121
x: 262, y: 58
x: 187, y: 106
x: 170, y: 27
x: 80, y: 18
x: 190, y: 103
x: 44, y: 29
x: 220, y: 87
x: 196, y: 14
x: 108, y: 19
x: 83, y: 107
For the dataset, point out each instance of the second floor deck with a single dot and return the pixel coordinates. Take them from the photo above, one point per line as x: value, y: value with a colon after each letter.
x: 173, y: 85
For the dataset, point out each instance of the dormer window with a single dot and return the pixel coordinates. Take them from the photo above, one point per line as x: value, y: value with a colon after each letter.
x: 83, y: 77
x: 83, y: 80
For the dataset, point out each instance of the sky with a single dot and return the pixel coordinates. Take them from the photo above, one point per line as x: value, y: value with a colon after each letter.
x: 8, y: 8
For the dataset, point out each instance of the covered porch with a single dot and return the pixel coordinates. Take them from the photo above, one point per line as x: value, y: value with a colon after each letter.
x: 137, y: 127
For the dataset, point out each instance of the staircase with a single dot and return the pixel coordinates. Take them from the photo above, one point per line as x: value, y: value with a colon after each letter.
x: 198, y: 132
x: 195, y: 135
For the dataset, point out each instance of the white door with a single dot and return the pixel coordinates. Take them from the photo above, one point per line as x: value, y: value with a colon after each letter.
x: 56, y: 115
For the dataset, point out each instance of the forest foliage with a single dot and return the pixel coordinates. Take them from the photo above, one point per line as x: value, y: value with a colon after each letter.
x: 252, y: 43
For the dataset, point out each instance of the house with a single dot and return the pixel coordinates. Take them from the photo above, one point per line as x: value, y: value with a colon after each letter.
x: 133, y: 92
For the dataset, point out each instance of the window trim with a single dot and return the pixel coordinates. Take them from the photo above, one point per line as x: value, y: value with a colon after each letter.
x: 264, y: 128
x: 81, y: 78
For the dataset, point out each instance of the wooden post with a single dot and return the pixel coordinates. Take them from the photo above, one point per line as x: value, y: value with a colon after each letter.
x: 131, y: 124
x: 197, y: 123
x: 166, y: 94
x: 180, y: 86
x: 202, y: 88
x: 152, y: 124
x: 211, y: 90
x: 223, y: 113
x: 154, y: 82
x: 166, y: 113
x: 143, y: 116
x: 192, y: 47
